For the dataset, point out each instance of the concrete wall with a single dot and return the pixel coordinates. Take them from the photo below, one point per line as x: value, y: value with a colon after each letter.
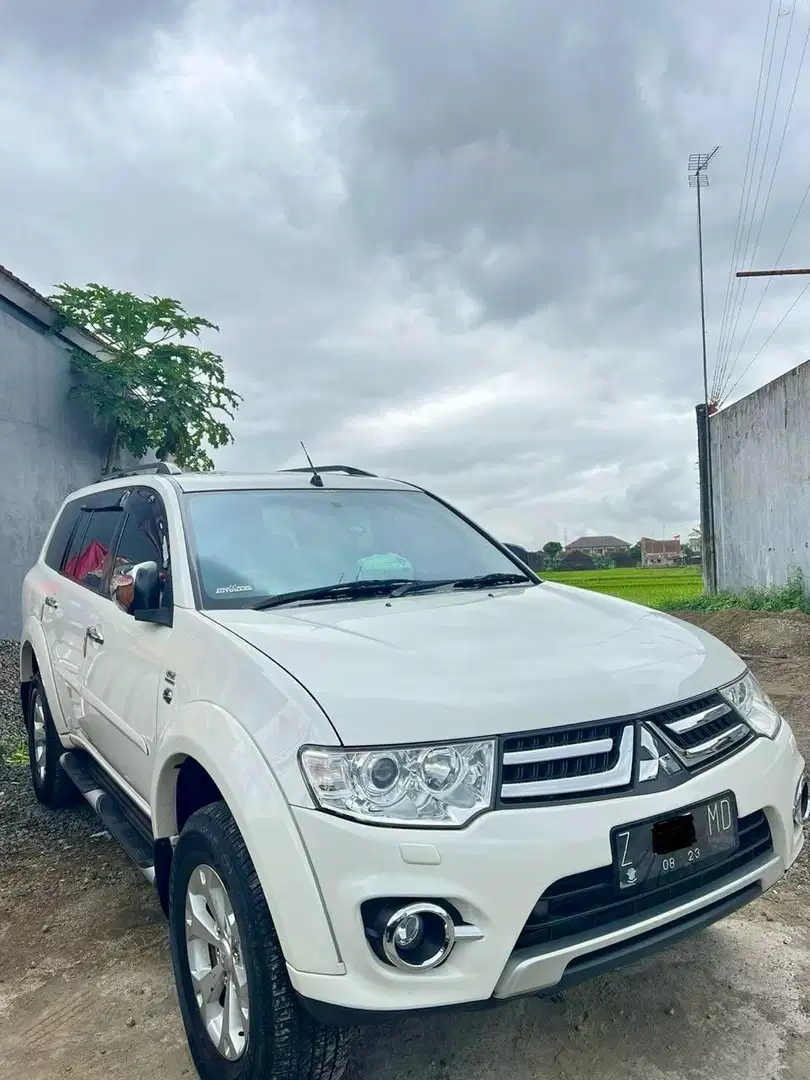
x: 49, y: 446
x: 760, y: 449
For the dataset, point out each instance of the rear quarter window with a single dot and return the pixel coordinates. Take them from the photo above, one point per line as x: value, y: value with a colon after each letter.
x: 60, y: 539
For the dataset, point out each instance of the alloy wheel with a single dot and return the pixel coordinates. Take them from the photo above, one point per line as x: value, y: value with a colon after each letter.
x: 216, y: 963
x: 40, y: 740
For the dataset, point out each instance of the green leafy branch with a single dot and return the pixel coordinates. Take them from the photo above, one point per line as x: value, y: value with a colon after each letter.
x: 150, y: 383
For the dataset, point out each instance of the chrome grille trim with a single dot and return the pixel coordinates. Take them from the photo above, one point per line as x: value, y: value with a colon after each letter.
x: 696, y: 755
x: 619, y: 776
x: 698, y: 720
x: 558, y: 753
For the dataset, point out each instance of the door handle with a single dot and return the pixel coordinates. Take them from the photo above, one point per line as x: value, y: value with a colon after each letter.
x: 95, y: 634
x: 50, y: 601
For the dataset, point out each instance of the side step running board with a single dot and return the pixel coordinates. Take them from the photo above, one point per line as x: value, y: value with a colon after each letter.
x: 112, y: 811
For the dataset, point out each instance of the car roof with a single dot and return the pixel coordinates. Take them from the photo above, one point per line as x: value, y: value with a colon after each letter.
x: 284, y: 480
x: 224, y: 481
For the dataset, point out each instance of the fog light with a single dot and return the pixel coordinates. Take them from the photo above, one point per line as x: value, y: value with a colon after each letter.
x: 418, y: 936
x: 409, y: 932
x: 801, y: 802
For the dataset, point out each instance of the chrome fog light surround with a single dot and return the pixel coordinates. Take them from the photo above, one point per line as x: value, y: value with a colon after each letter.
x: 418, y: 936
x: 801, y: 801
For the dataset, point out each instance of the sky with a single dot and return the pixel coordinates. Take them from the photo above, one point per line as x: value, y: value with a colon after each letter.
x: 451, y: 242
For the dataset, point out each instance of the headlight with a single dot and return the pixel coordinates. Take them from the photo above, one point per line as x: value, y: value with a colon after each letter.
x: 440, y: 786
x: 754, y: 706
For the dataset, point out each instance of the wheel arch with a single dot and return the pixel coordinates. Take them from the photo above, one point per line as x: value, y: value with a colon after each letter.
x: 209, y: 745
x: 34, y: 660
x: 29, y: 667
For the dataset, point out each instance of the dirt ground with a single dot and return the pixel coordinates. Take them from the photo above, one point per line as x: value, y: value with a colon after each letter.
x: 86, y: 988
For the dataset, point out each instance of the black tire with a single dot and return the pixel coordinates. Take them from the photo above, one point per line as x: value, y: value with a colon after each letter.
x: 284, y: 1042
x: 52, y: 785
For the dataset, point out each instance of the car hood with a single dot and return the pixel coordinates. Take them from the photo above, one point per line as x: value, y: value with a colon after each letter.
x: 460, y: 665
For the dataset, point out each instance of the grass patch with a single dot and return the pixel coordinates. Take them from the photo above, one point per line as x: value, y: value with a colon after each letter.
x: 792, y: 596
x: 681, y: 589
x: 666, y: 589
x: 14, y: 752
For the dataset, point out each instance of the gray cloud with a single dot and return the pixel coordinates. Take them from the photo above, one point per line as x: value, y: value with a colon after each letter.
x: 96, y: 33
x: 453, y: 242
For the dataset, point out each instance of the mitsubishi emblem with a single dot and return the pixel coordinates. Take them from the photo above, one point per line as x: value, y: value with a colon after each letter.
x: 653, y: 758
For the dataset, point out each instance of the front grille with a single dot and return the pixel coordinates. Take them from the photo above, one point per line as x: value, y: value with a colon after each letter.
x: 554, y: 755
x: 597, y: 759
x: 590, y: 902
x: 703, y: 729
x: 550, y: 764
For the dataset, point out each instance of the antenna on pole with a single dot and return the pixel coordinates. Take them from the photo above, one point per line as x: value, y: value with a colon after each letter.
x: 317, y: 480
x: 699, y: 179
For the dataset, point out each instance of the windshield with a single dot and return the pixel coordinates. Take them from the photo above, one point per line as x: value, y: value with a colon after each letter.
x: 249, y: 546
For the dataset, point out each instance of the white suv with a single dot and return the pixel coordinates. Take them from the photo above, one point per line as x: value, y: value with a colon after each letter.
x: 374, y: 765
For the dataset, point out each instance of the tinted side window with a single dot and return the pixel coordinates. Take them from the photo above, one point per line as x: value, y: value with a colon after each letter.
x: 90, y: 550
x: 144, y: 538
x: 60, y: 539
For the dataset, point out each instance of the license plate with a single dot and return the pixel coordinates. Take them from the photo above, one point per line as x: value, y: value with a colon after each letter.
x: 680, y: 843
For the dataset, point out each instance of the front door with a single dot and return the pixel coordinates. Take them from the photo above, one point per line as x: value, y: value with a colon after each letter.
x: 125, y: 663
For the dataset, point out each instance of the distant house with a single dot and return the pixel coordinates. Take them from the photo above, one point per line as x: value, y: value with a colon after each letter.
x: 597, y: 546
x: 660, y: 552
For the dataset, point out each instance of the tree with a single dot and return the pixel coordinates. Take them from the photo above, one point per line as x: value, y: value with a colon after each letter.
x: 576, y: 560
x: 553, y: 549
x: 153, y: 389
x: 631, y: 557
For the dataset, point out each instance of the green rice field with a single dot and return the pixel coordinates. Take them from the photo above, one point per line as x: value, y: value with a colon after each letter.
x: 657, y: 588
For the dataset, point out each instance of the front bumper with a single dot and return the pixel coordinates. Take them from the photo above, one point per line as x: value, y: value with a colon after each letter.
x: 495, y: 870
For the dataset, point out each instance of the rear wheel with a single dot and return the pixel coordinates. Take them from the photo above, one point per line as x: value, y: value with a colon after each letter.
x: 52, y: 785
x: 241, y: 1015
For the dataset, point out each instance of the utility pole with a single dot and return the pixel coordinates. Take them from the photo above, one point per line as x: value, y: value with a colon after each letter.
x: 699, y: 179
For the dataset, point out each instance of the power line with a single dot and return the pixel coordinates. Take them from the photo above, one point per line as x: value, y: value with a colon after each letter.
x: 730, y: 369
x: 748, y: 161
x: 747, y: 222
x: 721, y: 390
x: 745, y: 257
x: 761, y: 349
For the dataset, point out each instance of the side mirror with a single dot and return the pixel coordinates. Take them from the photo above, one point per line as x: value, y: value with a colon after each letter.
x: 145, y: 605
x: 521, y: 552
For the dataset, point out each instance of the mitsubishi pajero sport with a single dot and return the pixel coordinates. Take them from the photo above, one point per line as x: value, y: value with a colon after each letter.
x: 373, y: 765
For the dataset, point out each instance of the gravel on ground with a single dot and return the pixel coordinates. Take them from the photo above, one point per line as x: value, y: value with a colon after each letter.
x: 11, y: 729
x: 23, y: 822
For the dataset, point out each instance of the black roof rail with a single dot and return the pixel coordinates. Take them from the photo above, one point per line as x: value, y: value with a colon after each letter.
x: 161, y: 468
x: 349, y: 470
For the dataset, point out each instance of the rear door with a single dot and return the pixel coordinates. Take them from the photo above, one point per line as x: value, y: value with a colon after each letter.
x: 75, y: 592
x: 52, y: 599
x: 125, y: 664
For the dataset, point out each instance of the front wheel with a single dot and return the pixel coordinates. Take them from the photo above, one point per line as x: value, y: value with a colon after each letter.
x: 241, y: 1015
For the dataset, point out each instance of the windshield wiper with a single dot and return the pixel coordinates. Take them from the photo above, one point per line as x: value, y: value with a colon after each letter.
x: 341, y: 590
x: 484, y: 581
x: 488, y: 581
x: 357, y: 590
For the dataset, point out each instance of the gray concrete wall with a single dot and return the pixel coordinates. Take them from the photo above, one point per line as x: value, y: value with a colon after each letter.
x: 761, y: 474
x: 49, y: 446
